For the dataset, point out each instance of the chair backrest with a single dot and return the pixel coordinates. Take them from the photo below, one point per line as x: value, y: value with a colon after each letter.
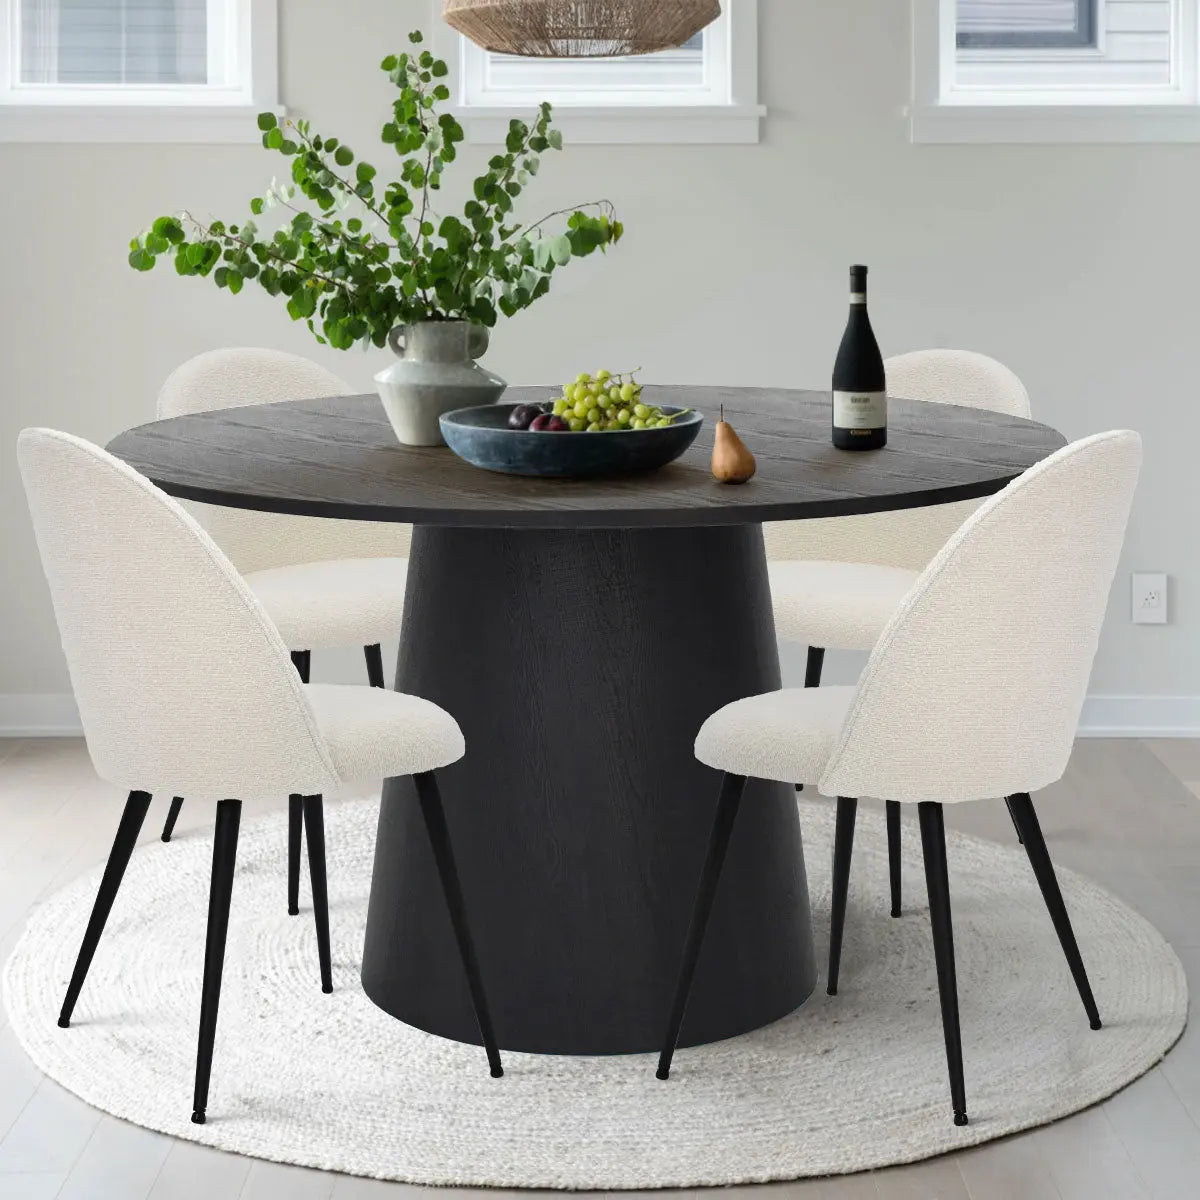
x: 976, y: 686
x: 957, y: 377
x: 909, y: 538
x: 183, y: 685
x: 254, y: 541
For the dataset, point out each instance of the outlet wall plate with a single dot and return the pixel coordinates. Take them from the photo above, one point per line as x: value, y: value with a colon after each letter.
x: 1148, y: 598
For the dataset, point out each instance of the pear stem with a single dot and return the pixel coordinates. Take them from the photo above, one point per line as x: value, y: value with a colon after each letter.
x: 722, y: 414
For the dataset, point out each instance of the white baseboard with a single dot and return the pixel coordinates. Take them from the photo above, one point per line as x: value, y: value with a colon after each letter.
x: 1141, y: 716
x: 39, y: 714
x: 53, y: 714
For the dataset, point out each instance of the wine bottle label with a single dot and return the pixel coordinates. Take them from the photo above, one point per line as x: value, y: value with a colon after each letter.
x: 860, y: 410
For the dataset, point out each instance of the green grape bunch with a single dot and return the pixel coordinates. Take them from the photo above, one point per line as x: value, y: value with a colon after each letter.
x: 600, y: 403
x: 354, y: 278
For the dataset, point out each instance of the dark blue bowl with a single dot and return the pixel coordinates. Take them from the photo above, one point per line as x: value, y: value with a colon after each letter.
x: 481, y: 436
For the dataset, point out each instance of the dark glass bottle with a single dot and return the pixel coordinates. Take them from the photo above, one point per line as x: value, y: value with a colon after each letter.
x: 859, y: 386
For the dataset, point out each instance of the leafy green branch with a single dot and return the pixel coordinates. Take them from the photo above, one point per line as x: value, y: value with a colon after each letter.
x: 351, y: 283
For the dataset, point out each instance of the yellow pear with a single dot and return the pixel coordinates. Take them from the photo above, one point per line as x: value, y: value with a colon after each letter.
x: 731, y: 461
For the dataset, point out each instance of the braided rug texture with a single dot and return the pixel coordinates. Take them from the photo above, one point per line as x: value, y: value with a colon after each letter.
x: 847, y: 1083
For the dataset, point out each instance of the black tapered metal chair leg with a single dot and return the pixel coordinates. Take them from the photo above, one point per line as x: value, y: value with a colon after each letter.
x: 314, y: 833
x: 172, y: 817
x: 295, y: 836
x: 302, y: 661
x: 136, y: 806
x: 443, y: 854
x: 225, y: 839
x: 937, y: 880
x: 732, y: 787
x: 374, y: 656
x: 893, y: 841
x: 1016, y: 824
x: 814, y: 666
x: 1029, y: 827
x: 843, y: 849
x: 812, y: 676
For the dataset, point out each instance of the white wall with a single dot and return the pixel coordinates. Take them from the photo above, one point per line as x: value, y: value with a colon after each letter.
x: 1075, y: 265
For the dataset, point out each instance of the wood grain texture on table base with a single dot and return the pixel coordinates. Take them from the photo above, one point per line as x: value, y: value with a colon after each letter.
x: 579, y: 665
x: 338, y: 457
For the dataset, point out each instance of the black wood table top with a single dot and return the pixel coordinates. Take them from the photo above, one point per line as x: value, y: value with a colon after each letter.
x: 338, y: 457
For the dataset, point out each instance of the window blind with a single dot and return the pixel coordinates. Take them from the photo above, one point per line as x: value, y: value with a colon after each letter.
x: 1027, y: 16
x: 154, y: 42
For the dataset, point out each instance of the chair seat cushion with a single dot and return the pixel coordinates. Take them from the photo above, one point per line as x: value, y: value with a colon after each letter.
x: 374, y: 733
x: 342, y: 602
x: 837, y: 605
x: 787, y: 735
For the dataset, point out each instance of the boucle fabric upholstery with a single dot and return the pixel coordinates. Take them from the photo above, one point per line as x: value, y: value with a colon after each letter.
x: 373, y: 733
x: 182, y: 682
x: 843, y: 604
x: 184, y: 686
x: 911, y: 537
x: 322, y: 605
x: 967, y: 694
x: 256, y: 541
x: 973, y: 691
x: 787, y: 735
x: 957, y: 377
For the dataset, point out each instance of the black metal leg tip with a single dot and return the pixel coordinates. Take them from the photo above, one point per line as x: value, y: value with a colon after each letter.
x: 897, y: 913
x: 960, y: 1118
x: 64, y: 1022
x: 831, y: 990
x: 198, y: 1117
x: 327, y: 988
x: 1096, y: 1023
x: 293, y: 912
x: 497, y: 1072
x: 166, y: 837
x: 799, y: 787
x: 663, y: 1073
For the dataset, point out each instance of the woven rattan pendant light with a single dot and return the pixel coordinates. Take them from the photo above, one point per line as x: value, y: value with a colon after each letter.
x: 580, y: 28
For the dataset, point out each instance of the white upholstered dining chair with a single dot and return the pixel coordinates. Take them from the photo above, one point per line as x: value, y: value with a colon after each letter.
x: 324, y: 583
x: 184, y: 685
x: 963, y: 698
x: 836, y: 582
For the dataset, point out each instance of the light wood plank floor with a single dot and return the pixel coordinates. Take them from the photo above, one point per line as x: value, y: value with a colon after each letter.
x: 1128, y: 814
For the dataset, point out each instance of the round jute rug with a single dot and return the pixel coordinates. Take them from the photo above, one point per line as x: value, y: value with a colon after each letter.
x: 845, y: 1084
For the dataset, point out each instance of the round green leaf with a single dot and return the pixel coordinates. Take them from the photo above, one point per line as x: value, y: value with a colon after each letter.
x: 560, y: 249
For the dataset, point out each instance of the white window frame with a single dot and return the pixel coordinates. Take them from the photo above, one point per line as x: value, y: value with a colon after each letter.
x: 225, y: 113
x: 945, y: 111
x: 639, y: 106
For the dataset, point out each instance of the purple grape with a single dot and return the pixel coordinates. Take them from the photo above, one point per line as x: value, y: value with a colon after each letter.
x: 523, y: 416
x: 548, y: 423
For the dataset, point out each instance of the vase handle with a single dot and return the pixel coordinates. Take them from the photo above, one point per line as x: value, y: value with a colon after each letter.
x: 477, y: 341
x: 397, y: 339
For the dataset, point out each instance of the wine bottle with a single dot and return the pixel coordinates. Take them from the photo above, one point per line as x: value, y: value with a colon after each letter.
x: 859, y: 385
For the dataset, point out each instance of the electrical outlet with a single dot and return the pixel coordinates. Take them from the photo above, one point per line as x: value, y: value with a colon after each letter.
x: 1149, y: 598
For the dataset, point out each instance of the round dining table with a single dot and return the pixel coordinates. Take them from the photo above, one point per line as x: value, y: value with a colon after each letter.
x: 580, y: 631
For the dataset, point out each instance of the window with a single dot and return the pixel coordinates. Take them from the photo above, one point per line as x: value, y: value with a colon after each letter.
x: 705, y: 91
x: 1055, y: 70
x: 160, y: 42
x: 135, y: 70
x: 1026, y: 24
